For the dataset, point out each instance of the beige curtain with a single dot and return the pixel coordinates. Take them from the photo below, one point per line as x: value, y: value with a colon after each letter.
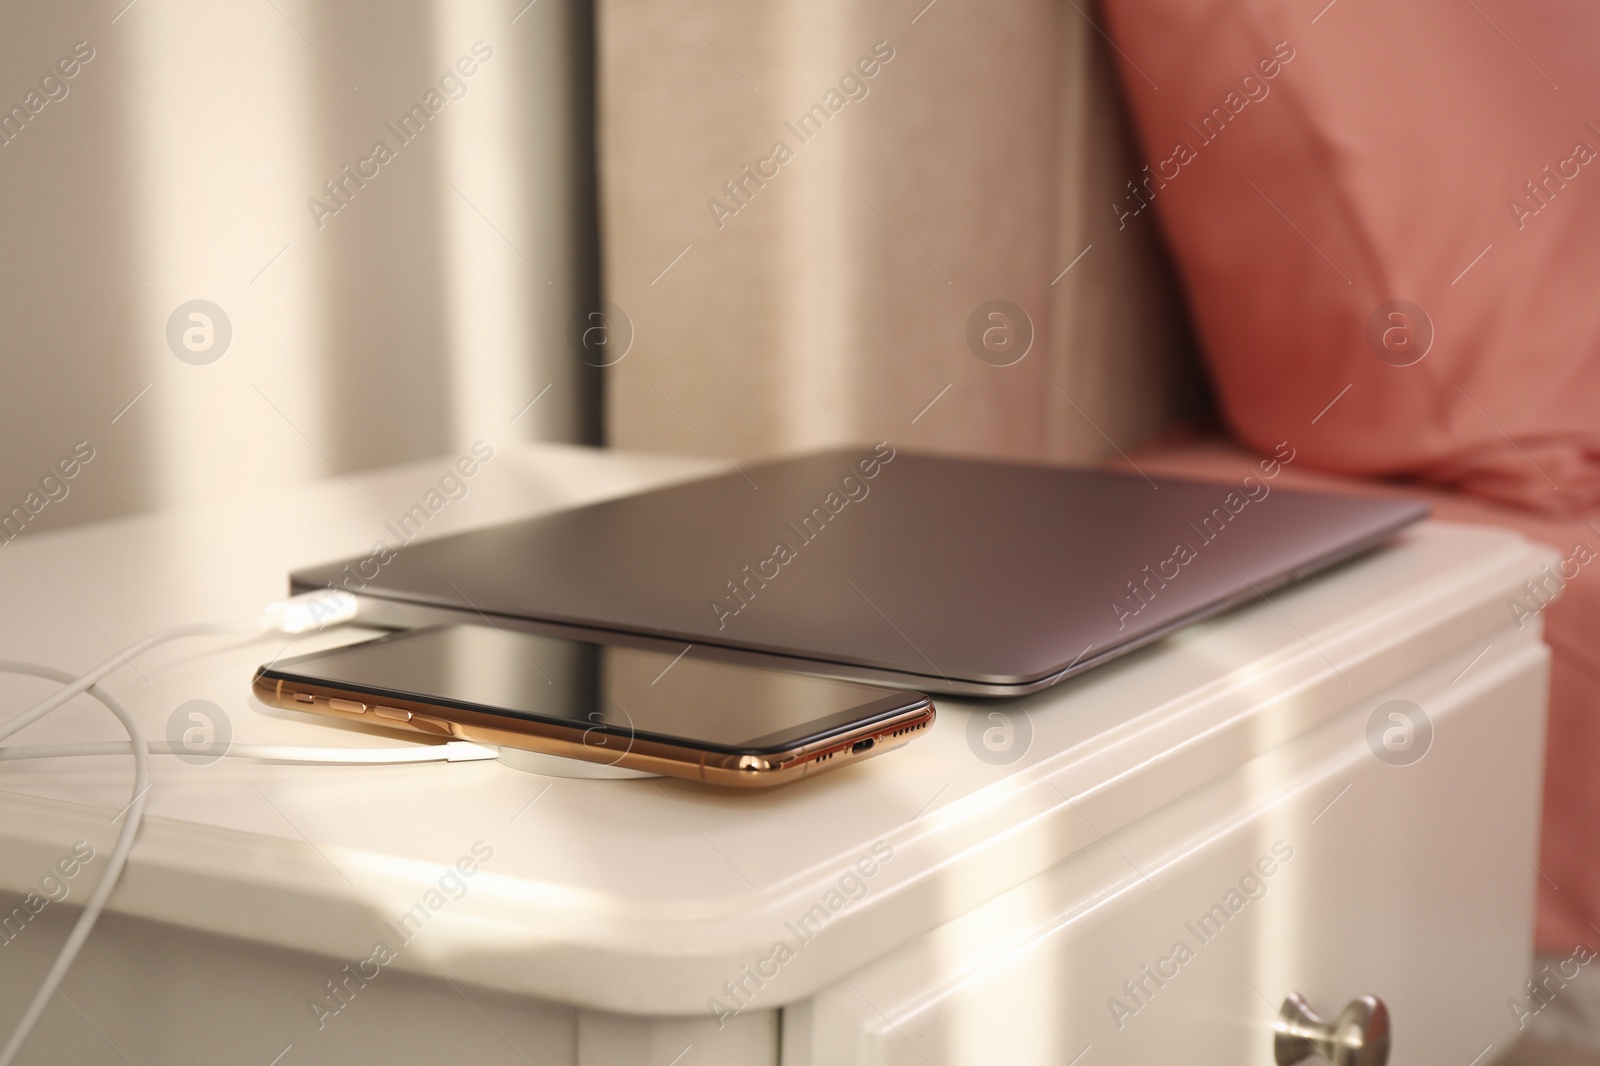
x: 182, y: 159
x: 826, y: 295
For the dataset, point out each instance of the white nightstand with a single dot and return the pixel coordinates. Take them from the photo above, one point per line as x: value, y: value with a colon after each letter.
x: 1008, y: 889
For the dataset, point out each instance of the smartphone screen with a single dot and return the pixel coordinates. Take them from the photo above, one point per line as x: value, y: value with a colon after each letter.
x: 631, y: 692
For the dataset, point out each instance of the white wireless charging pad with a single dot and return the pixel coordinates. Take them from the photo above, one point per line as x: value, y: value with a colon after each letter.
x: 537, y: 762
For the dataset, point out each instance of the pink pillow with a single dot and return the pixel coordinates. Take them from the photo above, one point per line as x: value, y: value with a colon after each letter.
x: 1387, y: 218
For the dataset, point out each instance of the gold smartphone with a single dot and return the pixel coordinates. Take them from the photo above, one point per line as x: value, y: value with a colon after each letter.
x: 685, y: 714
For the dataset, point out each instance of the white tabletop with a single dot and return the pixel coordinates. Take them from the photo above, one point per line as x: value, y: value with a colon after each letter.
x: 640, y: 896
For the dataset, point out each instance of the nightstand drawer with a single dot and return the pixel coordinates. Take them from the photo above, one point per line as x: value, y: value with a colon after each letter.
x: 1316, y: 868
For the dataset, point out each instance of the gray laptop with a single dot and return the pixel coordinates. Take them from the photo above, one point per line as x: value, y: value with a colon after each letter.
x: 942, y: 574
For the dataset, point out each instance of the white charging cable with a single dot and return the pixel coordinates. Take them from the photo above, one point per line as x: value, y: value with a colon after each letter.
x: 119, y: 856
x: 298, y: 614
x: 450, y: 751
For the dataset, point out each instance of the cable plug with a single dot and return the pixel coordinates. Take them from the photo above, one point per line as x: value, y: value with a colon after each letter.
x: 310, y: 610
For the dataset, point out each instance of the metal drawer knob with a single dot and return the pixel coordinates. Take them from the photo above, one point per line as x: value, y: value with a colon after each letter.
x: 1359, y: 1036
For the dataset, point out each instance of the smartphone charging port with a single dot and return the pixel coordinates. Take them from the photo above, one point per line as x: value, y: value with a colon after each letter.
x: 860, y: 746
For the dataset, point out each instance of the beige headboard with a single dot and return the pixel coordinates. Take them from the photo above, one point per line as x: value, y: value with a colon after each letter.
x: 826, y: 297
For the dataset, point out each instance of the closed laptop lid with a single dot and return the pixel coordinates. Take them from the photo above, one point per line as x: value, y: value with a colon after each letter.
x: 963, y: 572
